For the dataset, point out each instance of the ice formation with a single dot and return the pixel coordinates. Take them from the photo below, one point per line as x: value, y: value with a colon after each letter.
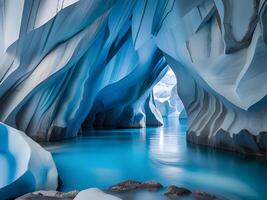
x: 71, y: 64
x: 96, y: 194
x: 79, y: 64
x: 166, y: 97
x: 24, y: 165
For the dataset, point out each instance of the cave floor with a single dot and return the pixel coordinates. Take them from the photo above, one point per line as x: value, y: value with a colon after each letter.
x: 106, y: 157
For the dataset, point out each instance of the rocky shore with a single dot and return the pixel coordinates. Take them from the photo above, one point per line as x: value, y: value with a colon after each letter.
x: 128, y: 190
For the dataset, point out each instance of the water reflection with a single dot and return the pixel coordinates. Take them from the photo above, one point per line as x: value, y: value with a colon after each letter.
x: 167, y: 148
x: 107, y: 157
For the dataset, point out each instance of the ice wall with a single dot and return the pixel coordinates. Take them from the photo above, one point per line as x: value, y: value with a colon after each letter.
x: 25, y: 165
x: 219, y: 58
x: 68, y: 63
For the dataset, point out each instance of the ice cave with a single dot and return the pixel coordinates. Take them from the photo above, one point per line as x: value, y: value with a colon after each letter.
x: 133, y: 99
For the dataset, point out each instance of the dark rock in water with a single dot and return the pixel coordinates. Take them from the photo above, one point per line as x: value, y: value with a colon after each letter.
x: 199, y: 195
x: 223, y: 140
x: 177, y: 191
x: 71, y: 194
x: 59, y: 183
x: 128, y: 190
x: 246, y: 142
x: 262, y: 141
x: 125, y: 186
x: 49, y: 195
x: 151, y: 185
x: 197, y: 139
x: 56, y: 133
x: 130, y: 185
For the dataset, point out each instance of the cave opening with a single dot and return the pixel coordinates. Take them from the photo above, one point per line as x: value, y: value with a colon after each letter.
x: 166, y: 97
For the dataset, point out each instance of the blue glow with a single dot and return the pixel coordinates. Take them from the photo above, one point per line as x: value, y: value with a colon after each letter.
x: 108, y: 157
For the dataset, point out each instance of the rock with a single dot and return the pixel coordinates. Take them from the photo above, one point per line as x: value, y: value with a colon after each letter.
x: 246, y: 142
x: 70, y: 194
x: 223, y: 140
x: 130, y: 185
x: 199, y: 195
x: 49, y: 195
x: 262, y: 141
x: 60, y: 183
x: 125, y: 186
x: 177, y: 191
x: 94, y: 194
x: 174, y: 191
x: 151, y: 185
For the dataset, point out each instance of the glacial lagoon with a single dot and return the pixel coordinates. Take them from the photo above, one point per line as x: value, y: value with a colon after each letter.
x: 107, y: 157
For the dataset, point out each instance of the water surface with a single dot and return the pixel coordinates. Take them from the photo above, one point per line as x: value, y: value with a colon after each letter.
x: 107, y: 157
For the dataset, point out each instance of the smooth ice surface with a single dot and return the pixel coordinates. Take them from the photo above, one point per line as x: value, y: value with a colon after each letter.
x: 25, y: 163
x: 95, y: 194
x: 162, y: 154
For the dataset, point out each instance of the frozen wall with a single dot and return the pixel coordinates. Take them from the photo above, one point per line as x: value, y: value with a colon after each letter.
x: 68, y: 63
x: 219, y: 58
x: 25, y: 165
x: 64, y: 63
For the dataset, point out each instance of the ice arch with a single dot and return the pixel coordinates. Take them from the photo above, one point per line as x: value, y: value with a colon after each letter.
x: 165, y: 95
x: 95, y: 63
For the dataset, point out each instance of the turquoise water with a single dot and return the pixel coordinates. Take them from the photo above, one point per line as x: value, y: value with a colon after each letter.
x: 107, y: 157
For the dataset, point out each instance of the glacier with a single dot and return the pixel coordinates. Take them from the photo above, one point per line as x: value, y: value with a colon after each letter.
x: 72, y: 65
x: 25, y: 165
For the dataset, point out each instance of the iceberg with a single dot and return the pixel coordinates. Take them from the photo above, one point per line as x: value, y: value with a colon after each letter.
x: 25, y: 165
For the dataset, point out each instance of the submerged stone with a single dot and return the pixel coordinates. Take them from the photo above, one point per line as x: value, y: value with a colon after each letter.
x: 131, y: 185
x: 199, y: 195
x: 49, y: 195
x: 262, y: 141
x: 151, y: 185
x: 245, y: 142
x: 125, y: 186
x: 177, y: 191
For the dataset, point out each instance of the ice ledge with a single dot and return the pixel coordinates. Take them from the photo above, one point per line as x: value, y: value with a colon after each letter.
x: 25, y: 165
